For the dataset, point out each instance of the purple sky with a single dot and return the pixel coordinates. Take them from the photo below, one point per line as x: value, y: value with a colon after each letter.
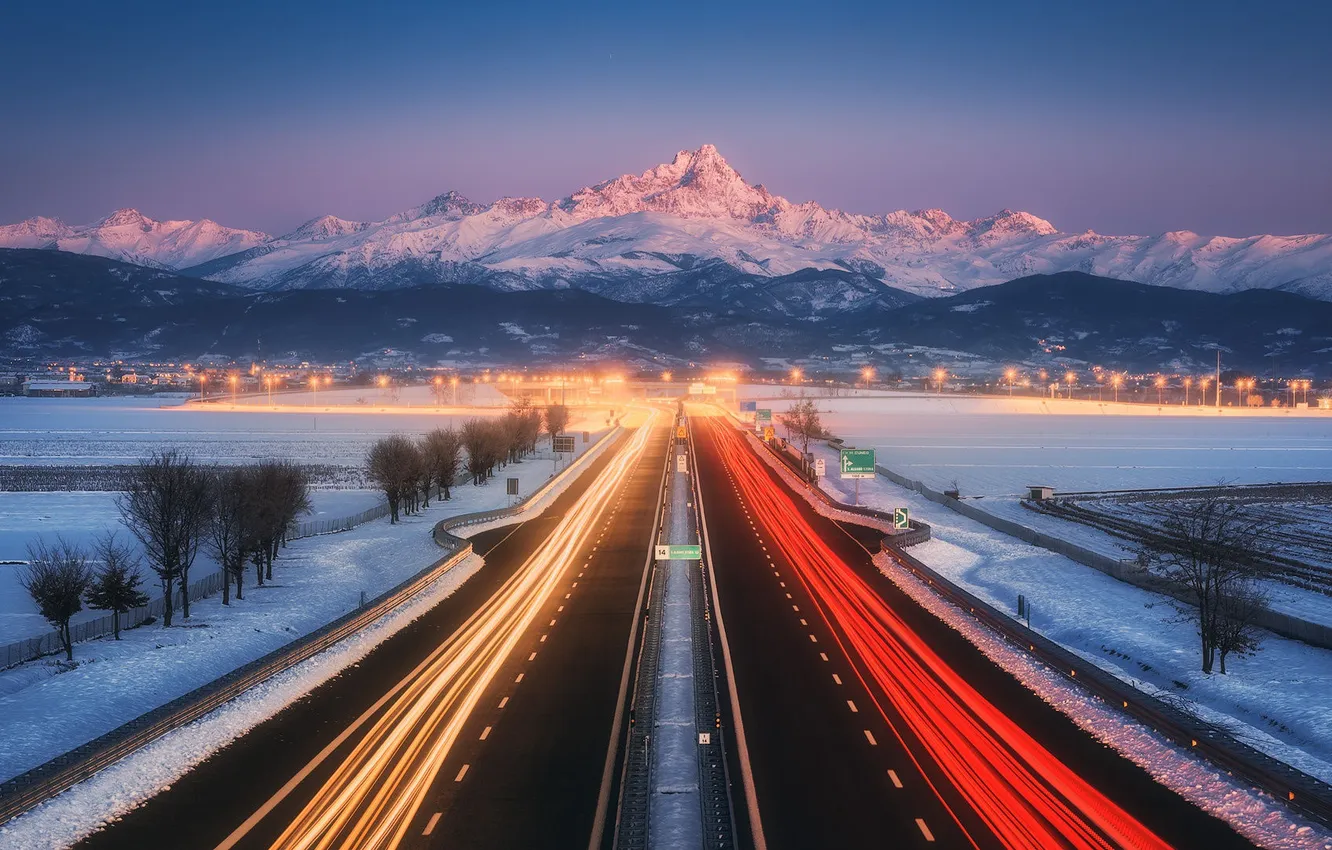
x: 1124, y: 118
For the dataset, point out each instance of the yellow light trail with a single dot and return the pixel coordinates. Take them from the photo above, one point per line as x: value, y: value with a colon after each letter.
x: 372, y: 797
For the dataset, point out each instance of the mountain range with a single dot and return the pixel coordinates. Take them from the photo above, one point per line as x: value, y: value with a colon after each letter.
x: 686, y: 229
x: 56, y: 305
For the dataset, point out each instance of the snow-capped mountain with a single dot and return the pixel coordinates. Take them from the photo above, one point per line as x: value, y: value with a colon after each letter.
x: 130, y: 236
x: 648, y: 237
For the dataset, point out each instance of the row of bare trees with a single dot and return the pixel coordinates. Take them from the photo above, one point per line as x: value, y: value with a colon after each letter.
x: 407, y: 470
x: 173, y: 507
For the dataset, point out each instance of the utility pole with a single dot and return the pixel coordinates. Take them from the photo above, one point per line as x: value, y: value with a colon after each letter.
x: 1218, y: 379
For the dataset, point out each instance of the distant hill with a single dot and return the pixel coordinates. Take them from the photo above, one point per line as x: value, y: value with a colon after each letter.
x: 56, y: 304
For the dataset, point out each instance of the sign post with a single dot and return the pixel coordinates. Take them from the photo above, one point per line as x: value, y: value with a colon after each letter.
x: 901, y: 519
x: 857, y: 464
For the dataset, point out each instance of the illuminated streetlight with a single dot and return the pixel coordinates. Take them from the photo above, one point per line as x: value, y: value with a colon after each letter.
x: 666, y: 377
x: 1160, y: 386
x: 868, y: 375
x: 203, y: 379
x: 796, y: 375
x: 1187, y: 383
x: 1116, y: 381
x: 939, y: 375
x: 1011, y: 375
x: 234, y: 380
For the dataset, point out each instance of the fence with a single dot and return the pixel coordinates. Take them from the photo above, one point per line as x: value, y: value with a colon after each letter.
x: 1286, y: 625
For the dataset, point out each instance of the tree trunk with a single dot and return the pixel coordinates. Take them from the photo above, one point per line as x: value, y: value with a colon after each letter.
x: 268, y: 561
x: 168, y: 604
x: 67, y: 640
x: 226, y: 585
x: 240, y: 579
x: 185, y: 594
x: 115, y: 624
x: 259, y: 571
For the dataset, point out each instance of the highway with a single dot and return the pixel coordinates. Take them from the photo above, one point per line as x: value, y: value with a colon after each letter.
x: 486, y: 723
x: 868, y: 722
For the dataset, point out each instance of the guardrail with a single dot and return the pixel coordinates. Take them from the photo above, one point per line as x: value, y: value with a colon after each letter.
x: 28, y: 790
x: 34, y: 787
x: 1309, y: 796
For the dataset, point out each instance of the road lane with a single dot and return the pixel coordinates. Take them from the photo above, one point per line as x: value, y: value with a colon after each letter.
x: 842, y: 679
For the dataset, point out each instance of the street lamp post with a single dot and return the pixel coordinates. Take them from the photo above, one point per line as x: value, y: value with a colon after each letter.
x: 203, y: 380
x: 1117, y: 380
x: 1188, y: 382
x: 1160, y: 387
x: 1010, y: 375
x: 939, y: 376
x: 1069, y: 379
x: 234, y: 381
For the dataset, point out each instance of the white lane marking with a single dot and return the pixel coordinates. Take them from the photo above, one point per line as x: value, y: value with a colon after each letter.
x: 485, y: 733
x: 823, y: 655
x: 837, y: 678
x: 559, y: 610
x: 813, y: 639
x: 519, y: 679
x: 575, y: 584
x: 802, y: 622
x: 924, y: 830
x: 795, y: 608
x: 892, y: 775
x: 543, y: 638
x: 851, y: 705
x: 504, y: 702
x: 782, y: 583
x: 461, y: 773
x: 567, y: 595
x: 869, y: 736
x: 532, y: 657
x: 788, y: 596
x: 430, y: 827
x: 552, y: 622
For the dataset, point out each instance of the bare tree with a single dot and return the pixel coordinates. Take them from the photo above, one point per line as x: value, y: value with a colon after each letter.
x: 557, y: 419
x: 56, y: 578
x: 803, y: 424
x: 115, y: 584
x: 442, y: 451
x: 392, y: 465
x: 229, y: 525
x: 1206, y: 550
x: 279, y: 494
x: 166, y: 506
x: 485, y: 443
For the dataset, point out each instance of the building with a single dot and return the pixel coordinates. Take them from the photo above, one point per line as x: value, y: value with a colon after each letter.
x: 58, y: 389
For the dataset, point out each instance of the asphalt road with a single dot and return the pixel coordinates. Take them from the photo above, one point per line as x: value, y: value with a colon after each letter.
x: 834, y: 761
x: 534, y: 780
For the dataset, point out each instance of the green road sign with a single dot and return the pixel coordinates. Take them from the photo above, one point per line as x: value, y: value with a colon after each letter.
x: 901, y: 519
x: 857, y: 463
x: 679, y: 553
x: 763, y: 415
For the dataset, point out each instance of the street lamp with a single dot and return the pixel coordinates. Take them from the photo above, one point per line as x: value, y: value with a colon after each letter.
x: 666, y: 377
x: 1160, y: 386
x: 939, y: 376
x: 867, y: 374
x: 796, y: 375
x: 1070, y: 378
x: 454, y: 383
x: 234, y: 380
x: 1117, y: 381
x: 1010, y: 374
x: 268, y: 382
x: 1188, y: 382
x: 203, y: 379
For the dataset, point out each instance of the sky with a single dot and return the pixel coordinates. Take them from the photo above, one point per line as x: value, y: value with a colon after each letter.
x: 1124, y: 117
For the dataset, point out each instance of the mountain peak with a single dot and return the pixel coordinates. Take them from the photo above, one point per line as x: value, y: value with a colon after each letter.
x: 126, y: 216
x: 324, y: 227
x: 451, y: 204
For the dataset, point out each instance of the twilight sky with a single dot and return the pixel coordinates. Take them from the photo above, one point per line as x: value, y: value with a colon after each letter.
x: 1125, y: 117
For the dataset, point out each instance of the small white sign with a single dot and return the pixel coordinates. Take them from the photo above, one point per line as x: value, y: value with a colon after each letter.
x: 705, y: 737
x: 663, y: 553
x: 682, y: 463
x: 820, y: 467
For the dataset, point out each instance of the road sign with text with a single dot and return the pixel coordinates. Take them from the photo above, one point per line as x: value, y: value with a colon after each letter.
x: 857, y: 463
x: 768, y: 433
x: 901, y: 519
x: 676, y: 552
x: 564, y: 444
x: 748, y: 406
x: 512, y: 487
x: 820, y: 467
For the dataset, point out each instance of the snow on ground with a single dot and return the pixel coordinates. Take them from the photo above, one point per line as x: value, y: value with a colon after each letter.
x: 997, y: 446
x: 1279, y: 701
x: 63, y: 431
x: 1306, y: 604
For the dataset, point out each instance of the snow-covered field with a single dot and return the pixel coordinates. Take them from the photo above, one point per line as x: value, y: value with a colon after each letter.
x: 1279, y: 701
x: 114, y: 430
x: 994, y: 446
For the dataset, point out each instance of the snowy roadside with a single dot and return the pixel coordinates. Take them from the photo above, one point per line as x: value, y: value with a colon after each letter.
x: 1279, y: 701
x: 1266, y: 822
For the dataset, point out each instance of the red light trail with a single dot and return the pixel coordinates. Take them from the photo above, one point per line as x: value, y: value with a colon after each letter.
x: 1026, y: 796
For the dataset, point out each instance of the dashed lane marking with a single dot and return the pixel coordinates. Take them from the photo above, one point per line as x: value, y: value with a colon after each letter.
x: 869, y: 736
x: 504, y: 702
x: 485, y: 733
x: 851, y: 705
x: 892, y: 777
x: 461, y: 773
x: 924, y: 830
x: 430, y: 827
x: 837, y: 679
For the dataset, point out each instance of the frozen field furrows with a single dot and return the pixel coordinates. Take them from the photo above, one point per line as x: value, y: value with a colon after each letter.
x: 994, y: 446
